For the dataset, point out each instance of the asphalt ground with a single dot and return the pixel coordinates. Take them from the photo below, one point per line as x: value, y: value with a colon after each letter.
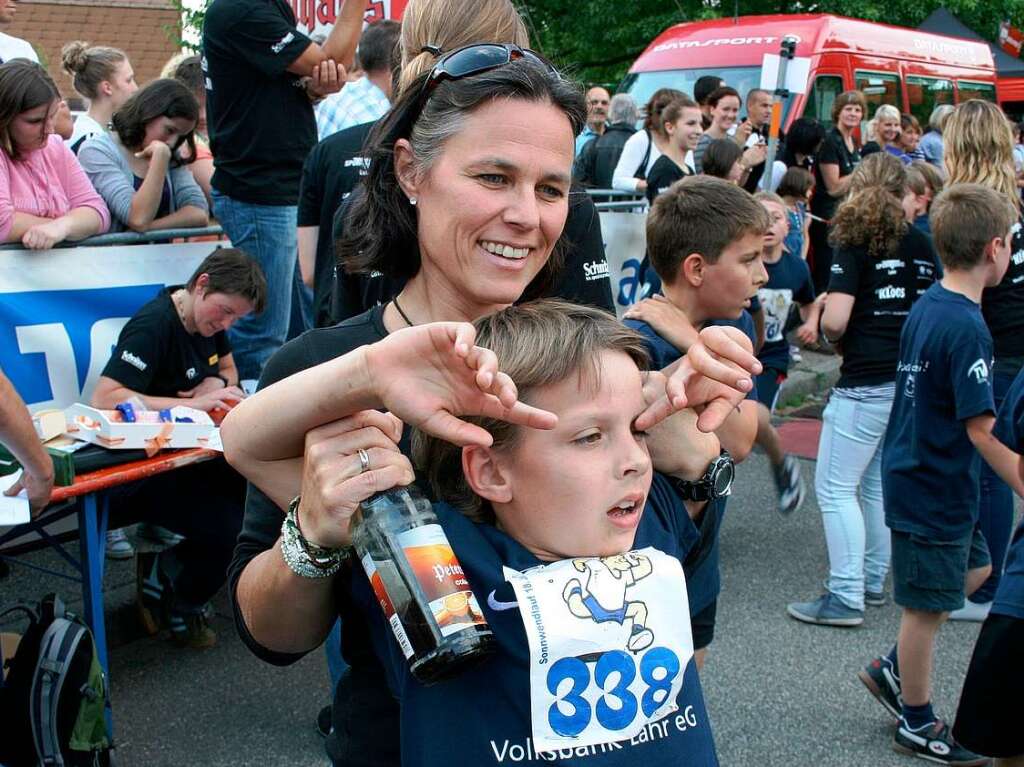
x: 779, y: 692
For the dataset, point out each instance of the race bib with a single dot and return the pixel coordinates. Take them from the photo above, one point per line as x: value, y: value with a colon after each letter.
x: 609, y: 644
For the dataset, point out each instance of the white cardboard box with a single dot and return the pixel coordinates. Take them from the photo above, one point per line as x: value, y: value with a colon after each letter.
x: 105, y: 427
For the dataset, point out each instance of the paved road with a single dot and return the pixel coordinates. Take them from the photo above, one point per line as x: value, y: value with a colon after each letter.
x: 779, y: 692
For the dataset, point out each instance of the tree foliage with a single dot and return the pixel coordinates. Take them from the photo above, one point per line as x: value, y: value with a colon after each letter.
x: 597, y: 40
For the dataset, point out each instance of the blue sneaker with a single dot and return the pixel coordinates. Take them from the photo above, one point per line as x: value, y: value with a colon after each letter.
x: 826, y: 610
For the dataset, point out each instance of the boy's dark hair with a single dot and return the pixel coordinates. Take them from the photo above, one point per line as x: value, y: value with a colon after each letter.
x: 377, y: 46
x: 538, y: 344
x: 699, y: 214
x: 160, y: 98
x: 705, y: 86
x: 719, y: 157
x: 381, y: 234
x: 965, y: 218
x: 796, y: 182
x: 234, y: 272
x: 930, y: 174
x: 189, y: 73
x: 24, y: 85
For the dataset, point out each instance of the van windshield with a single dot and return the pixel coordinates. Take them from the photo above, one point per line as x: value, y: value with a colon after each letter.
x: 642, y: 85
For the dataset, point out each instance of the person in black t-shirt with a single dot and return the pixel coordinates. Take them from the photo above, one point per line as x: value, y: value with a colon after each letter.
x: 684, y: 127
x: 838, y: 156
x: 175, y: 351
x: 262, y: 77
x: 979, y: 149
x: 882, y: 266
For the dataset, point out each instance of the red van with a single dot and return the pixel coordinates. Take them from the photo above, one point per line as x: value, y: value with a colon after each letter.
x: 914, y: 71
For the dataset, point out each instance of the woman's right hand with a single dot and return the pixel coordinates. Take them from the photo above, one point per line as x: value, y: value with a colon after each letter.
x: 333, y: 480
x: 429, y: 374
x: 155, y: 150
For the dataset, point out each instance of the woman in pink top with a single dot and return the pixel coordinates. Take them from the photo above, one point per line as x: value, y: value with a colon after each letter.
x: 45, y: 197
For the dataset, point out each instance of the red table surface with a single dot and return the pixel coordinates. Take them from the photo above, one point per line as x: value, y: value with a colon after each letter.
x: 112, y: 476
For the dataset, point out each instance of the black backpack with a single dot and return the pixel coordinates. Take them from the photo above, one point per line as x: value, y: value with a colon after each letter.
x: 54, y: 698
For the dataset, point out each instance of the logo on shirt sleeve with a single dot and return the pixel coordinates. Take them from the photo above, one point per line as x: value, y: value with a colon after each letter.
x: 280, y: 44
x: 190, y: 373
x: 837, y: 269
x: 978, y: 371
x: 213, y: 359
x: 131, y: 359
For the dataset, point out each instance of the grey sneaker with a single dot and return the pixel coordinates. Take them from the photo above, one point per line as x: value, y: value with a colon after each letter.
x: 157, y: 534
x: 790, y: 485
x: 875, y: 598
x: 118, y: 545
x: 826, y: 610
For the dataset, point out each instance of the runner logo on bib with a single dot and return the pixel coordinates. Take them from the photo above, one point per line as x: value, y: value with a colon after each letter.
x: 609, y: 644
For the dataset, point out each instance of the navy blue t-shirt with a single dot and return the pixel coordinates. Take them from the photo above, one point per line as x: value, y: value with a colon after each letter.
x: 703, y: 581
x: 482, y: 717
x: 930, y: 469
x: 1009, y: 430
x: 789, y: 282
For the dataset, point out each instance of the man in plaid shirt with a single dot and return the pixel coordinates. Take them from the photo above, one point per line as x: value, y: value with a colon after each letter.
x: 367, y: 99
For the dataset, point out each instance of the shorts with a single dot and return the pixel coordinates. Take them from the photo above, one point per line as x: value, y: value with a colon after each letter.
x: 768, y: 385
x: 929, y: 575
x: 988, y: 720
x: 703, y: 626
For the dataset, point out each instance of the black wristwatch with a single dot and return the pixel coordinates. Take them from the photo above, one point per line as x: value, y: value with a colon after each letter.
x: 716, y: 482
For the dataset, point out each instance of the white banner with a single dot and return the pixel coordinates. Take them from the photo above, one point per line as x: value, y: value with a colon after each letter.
x: 62, y: 310
x: 625, y: 243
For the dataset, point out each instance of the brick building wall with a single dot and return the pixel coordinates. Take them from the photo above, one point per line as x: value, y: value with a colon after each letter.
x: 135, y: 26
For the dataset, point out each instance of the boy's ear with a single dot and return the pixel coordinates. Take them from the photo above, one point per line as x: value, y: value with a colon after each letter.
x: 485, y: 475
x: 694, y: 269
x: 405, y: 168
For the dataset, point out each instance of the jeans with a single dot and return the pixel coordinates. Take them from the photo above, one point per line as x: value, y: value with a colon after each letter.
x: 267, y: 233
x: 995, y: 509
x: 336, y: 665
x: 850, y: 459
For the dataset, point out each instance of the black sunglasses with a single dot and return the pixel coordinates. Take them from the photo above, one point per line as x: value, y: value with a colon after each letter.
x: 475, y: 59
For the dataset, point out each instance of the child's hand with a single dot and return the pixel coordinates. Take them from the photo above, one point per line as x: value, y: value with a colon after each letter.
x: 334, y: 479
x: 430, y: 374
x: 667, y: 319
x: 808, y: 333
x: 716, y: 373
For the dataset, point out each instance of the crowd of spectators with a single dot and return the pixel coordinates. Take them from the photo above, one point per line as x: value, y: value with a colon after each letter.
x: 438, y: 178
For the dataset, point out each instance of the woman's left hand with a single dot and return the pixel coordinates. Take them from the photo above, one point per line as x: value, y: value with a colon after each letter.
x: 44, y: 236
x: 429, y: 375
x: 715, y: 375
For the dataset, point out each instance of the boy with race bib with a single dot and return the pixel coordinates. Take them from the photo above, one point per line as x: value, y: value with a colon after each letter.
x: 571, y: 534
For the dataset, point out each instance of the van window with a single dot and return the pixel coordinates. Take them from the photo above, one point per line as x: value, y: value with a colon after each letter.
x: 926, y: 93
x: 642, y: 85
x: 970, y: 90
x: 821, y: 97
x: 878, y: 88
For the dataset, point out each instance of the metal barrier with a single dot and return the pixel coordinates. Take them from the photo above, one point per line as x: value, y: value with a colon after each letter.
x: 627, y: 205
x: 613, y: 193
x: 132, y: 238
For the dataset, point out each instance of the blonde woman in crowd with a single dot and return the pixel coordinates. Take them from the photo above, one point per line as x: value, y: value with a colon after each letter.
x: 105, y: 77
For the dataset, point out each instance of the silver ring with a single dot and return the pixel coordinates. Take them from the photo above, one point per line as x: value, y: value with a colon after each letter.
x: 364, y: 460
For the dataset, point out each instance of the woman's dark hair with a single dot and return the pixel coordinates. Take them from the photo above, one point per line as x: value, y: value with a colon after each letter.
x: 381, y: 234
x: 656, y: 105
x: 234, y: 272
x: 160, y: 98
x: 720, y: 93
x: 803, y: 137
x: 24, y: 85
x: 719, y: 157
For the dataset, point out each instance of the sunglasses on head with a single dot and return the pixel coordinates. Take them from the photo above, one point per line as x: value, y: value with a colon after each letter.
x: 475, y: 59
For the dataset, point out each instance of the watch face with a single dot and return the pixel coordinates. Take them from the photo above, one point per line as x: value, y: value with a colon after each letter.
x: 723, y: 478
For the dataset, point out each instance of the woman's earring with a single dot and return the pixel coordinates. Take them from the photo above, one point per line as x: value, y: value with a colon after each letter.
x: 412, y: 200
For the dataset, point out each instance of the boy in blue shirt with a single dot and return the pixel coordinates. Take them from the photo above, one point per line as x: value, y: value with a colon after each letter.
x: 704, y: 240
x: 988, y: 719
x: 789, y: 283
x: 941, y: 420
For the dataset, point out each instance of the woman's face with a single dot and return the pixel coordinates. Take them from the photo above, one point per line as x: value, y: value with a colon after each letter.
x: 122, y: 84
x: 493, y: 203
x: 170, y: 130
x: 909, y: 140
x: 687, y: 130
x: 723, y: 114
x: 850, y: 116
x: 888, y: 130
x: 31, y: 129
x: 735, y: 172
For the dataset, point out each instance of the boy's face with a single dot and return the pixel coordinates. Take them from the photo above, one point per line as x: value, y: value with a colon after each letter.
x: 779, y: 227
x: 730, y: 283
x: 579, y: 490
x: 1001, y: 253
